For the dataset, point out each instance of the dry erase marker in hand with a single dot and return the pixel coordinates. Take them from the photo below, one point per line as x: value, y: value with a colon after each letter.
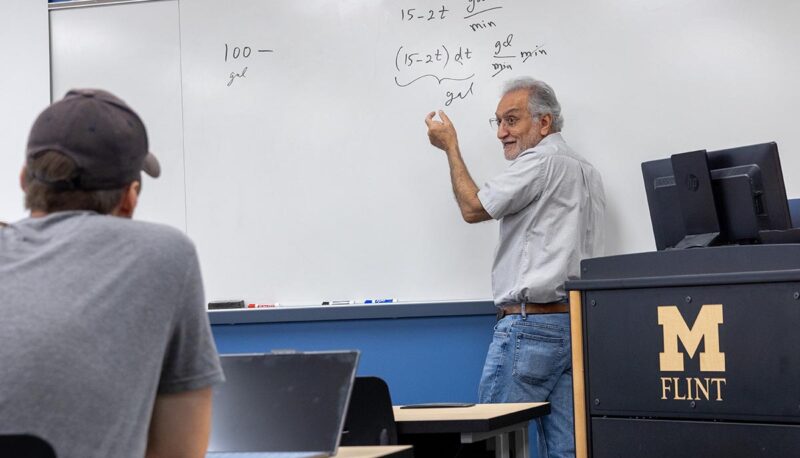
x: 338, y: 302
x: 380, y: 301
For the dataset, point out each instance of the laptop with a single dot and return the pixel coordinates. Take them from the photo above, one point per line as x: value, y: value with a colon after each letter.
x: 281, y: 405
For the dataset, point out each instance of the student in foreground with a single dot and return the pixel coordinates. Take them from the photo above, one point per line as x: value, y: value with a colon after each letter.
x: 105, y: 345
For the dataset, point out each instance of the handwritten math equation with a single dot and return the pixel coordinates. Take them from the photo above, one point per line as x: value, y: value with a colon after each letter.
x: 239, y: 56
x: 446, y: 65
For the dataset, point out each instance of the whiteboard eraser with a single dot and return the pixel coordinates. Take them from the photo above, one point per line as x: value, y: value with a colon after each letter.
x: 229, y: 304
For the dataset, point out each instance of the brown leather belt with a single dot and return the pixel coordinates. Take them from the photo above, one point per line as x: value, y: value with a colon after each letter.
x: 532, y: 309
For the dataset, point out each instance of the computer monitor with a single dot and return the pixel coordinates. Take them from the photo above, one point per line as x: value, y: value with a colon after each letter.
x: 748, y: 197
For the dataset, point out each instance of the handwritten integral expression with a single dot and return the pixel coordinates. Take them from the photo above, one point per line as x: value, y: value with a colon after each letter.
x: 447, y: 64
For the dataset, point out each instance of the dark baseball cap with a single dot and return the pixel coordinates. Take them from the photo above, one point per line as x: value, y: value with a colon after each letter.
x: 101, y: 133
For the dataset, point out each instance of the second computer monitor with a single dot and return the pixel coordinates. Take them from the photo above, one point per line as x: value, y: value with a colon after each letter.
x: 748, y: 189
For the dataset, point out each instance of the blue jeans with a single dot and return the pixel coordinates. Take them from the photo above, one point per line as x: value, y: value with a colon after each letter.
x: 530, y: 360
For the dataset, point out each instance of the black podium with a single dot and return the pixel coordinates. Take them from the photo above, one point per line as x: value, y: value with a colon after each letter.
x: 688, y: 353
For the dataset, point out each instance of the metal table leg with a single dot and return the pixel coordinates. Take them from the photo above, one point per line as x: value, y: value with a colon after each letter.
x: 521, y: 446
x: 503, y: 440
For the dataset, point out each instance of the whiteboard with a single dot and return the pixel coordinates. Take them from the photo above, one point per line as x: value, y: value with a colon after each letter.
x: 24, y: 79
x: 132, y: 50
x: 310, y: 178
x: 308, y: 175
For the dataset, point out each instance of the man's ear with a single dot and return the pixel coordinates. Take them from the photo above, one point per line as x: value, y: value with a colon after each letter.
x: 23, y: 183
x: 546, y: 121
x: 128, y: 202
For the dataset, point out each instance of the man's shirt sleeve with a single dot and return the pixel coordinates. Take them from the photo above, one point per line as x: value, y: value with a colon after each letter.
x: 514, y: 189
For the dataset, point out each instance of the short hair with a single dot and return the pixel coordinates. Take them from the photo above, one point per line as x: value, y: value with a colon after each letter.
x: 541, y: 99
x: 53, y: 167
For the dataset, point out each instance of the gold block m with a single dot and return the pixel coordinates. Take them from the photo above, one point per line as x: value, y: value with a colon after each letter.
x: 705, y: 328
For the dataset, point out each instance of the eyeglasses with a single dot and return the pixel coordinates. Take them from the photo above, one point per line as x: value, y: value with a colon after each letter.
x: 509, y: 121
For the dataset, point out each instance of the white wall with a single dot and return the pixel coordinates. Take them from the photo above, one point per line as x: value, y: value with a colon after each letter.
x: 24, y: 91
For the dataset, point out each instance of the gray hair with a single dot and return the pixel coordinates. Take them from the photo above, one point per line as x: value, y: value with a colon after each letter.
x: 541, y: 99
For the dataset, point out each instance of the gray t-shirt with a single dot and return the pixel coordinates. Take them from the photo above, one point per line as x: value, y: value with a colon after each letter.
x: 98, y: 315
x: 551, y: 204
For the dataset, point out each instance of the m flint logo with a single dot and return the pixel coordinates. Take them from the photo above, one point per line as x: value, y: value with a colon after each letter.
x: 705, y: 330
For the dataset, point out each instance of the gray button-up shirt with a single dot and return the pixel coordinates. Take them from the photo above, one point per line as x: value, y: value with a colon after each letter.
x: 550, y: 204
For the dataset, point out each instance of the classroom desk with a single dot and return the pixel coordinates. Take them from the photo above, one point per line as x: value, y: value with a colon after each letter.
x: 505, y: 423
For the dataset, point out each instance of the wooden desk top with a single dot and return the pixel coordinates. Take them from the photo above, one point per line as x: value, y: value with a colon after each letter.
x: 395, y: 451
x: 478, y: 418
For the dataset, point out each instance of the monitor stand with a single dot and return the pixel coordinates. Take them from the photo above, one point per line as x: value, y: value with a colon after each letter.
x: 696, y: 198
x: 696, y: 241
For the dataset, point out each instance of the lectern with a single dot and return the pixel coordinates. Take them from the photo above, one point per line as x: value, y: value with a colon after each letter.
x: 688, y: 353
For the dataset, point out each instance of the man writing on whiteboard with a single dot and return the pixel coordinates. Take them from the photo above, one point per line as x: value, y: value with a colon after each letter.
x: 107, y: 350
x: 550, y: 204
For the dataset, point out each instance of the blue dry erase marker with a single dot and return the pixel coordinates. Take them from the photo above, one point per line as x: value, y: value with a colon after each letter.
x: 379, y: 301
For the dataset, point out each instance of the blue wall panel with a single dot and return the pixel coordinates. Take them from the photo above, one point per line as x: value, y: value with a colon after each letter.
x: 422, y: 359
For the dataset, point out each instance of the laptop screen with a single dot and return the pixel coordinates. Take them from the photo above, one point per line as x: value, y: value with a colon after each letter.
x: 282, y: 402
